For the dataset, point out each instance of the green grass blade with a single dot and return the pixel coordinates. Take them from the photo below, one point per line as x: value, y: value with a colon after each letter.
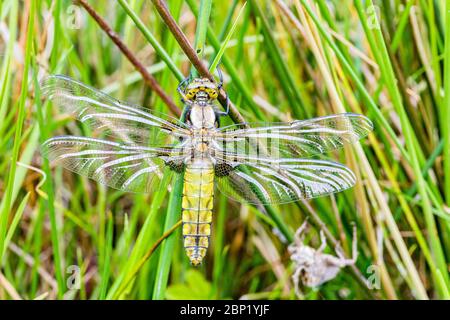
x: 285, y: 76
x: 152, y: 40
x: 237, y: 79
x: 391, y: 85
x: 107, y: 264
x: 446, y: 108
x: 16, y: 220
x: 44, y: 123
x: 202, y: 26
x: 6, y: 202
x: 219, y: 54
x: 167, y: 247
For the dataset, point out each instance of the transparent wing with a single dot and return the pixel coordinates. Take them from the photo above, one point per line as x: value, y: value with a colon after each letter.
x: 131, y: 146
x: 120, y: 166
x: 109, y: 118
x: 272, y: 181
x: 271, y: 164
x: 303, y: 138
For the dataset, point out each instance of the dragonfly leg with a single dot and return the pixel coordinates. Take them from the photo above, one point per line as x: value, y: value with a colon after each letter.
x: 181, y: 87
x: 220, y: 74
x: 227, y: 108
x: 219, y: 86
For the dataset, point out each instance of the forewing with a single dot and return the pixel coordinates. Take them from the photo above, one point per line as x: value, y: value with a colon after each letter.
x: 303, y: 138
x: 281, y: 181
x: 120, y: 166
x: 109, y: 118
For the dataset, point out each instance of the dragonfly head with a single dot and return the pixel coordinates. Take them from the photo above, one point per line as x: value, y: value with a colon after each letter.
x: 201, y: 90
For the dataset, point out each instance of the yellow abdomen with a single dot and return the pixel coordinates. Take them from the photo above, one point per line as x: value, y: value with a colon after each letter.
x: 198, y: 193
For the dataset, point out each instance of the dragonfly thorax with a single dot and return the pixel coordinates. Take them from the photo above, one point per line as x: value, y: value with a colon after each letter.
x: 202, y: 116
x: 201, y: 146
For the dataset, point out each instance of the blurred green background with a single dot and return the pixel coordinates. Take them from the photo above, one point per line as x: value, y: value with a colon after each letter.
x: 63, y: 236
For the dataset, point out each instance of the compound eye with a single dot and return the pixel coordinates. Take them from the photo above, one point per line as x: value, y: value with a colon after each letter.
x: 212, y: 93
x: 190, y: 93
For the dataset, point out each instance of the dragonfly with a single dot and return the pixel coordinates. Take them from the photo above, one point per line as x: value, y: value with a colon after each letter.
x: 129, y: 148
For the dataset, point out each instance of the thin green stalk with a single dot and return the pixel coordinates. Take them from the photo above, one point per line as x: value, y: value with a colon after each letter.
x: 202, y: 26
x: 144, y: 259
x: 446, y: 107
x: 219, y: 230
x: 379, y: 117
x: 143, y: 239
x: 281, y: 225
x: 391, y: 85
x: 285, y: 76
x: 433, y: 38
x: 16, y: 220
x: 6, y: 63
x: 152, y: 40
x: 428, y: 165
x: 48, y: 184
x: 55, y: 57
x: 6, y: 203
x: 37, y: 249
x: 219, y: 54
x: 347, y: 66
x: 201, y: 30
x: 228, y: 18
x: 4, y: 214
x: 237, y: 79
x: 107, y: 260
x: 400, y: 29
x: 167, y: 247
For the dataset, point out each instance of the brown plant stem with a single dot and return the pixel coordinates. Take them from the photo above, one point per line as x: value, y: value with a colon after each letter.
x: 180, y: 36
x: 184, y: 43
x: 148, y: 78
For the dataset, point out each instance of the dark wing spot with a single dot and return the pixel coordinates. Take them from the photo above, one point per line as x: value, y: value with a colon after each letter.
x: 222, y: 169
x: 177, y: 166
